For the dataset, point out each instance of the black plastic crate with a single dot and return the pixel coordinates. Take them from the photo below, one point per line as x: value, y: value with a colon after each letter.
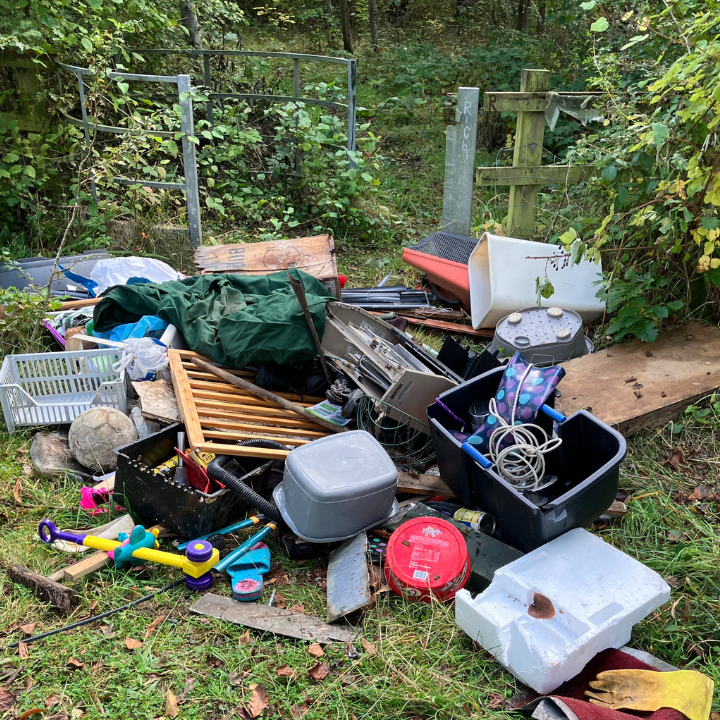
x: 587, y: 465
x: 456, y: 248
x: 153, y: 499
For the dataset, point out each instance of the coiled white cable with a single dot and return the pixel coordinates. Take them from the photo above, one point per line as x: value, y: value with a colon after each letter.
x: 522, y: 463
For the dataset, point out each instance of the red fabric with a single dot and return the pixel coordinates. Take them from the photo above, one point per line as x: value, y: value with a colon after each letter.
x: 573, y: 691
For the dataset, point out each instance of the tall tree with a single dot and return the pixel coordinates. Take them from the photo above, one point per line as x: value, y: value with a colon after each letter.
x: 345, y: 25
x: 190, y: 22
x: 522, y: 14
x: 372, y: 11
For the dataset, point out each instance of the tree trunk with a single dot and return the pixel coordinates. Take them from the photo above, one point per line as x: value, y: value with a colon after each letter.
x: 542, y: 7
x: 190, y: 22
x: 373, y: 23
x: 345, y: 25
x: 328, y: 8
x: 522, y: 15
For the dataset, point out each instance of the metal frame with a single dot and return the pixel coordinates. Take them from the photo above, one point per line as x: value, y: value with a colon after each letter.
x: 351, y: 64
x: 187, y: 126
x: 183, y: 82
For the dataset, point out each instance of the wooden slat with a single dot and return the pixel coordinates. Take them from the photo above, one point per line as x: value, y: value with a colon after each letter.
x: 455, y: 328
x: 264, y: 453
x: 207, y: 414
x: 268, y: 435
x: 542, y: 175
x: 230, y: 390
x: 256, y: 427
x: 515, y: 101
x: 186, y: 405
x: 201, y: 403
x: 423, y: 485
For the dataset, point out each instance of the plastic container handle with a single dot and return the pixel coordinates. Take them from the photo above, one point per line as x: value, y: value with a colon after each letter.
x: 554, y: 414
x: 478, y: 457
x: 49, y: 534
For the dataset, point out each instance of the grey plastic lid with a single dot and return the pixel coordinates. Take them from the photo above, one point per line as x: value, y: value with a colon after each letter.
x: 342, y: 467
x: 279, y: 498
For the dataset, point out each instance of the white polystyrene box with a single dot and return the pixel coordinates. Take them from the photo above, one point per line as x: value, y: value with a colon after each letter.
x: 596, y: 593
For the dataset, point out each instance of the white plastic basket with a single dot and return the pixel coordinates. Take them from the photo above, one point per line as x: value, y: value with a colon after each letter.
x: 54, y: 388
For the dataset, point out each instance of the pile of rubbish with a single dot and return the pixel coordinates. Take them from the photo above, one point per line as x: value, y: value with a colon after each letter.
x: 193, y: 409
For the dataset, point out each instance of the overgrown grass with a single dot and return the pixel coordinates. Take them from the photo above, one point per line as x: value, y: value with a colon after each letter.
x: 424, y: 665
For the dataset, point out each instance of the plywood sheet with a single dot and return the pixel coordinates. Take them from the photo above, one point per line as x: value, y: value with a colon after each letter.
x: 639, y: 385
x: 314, y: 255
x: 157, y: 400
x: 217, y: 414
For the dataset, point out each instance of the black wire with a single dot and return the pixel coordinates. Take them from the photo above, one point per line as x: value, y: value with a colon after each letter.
x: 94, y: 617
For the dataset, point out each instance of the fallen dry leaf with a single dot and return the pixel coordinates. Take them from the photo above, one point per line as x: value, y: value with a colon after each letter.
x: 189, y: 685
x: 7, y: 700
x: 495, y: 700
x: 319, y: 671
x: 93, y: 605
x: 23, y: 651
x: 368, y: 647
x: 299, y: 711
x: 278, y: 576
x: 28, y: 629
x: 132, y: 643
x: 97, y: 666
x: 153, y: 626
x: 54, y: 699
x: 280, y: 601
x: 171, y: 707
x: 315, y: 650
x: 258, y: 702
x: 245, y: 638
x: 76, y: 713
x: 236, y: 678
x: 676, y: 461
x: 285, y: 671
x: 16, y: 491
x: 107, y: 630
x: 297, y: 608
x: 702, y: 492
x: 75, y: 664
x: 30, y: 713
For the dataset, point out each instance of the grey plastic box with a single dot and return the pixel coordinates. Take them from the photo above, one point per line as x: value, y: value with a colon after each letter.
x: 337, y: 486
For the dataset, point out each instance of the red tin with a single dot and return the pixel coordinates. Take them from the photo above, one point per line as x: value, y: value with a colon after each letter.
x: 427, y: 557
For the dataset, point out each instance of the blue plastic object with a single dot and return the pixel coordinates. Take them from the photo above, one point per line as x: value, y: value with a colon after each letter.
x: 246, y: 573
x: 230, y: 558
x: 147, y: 326
x: 476, y: 455
x: 553, y: 414
x: 223, y: 531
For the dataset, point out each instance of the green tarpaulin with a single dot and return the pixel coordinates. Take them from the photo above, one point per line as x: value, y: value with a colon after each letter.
x: 231, y: 319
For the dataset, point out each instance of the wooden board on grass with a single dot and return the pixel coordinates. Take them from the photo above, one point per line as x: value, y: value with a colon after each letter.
x: 638, y: 385
x: 314, y: 255
x: 216, y: 414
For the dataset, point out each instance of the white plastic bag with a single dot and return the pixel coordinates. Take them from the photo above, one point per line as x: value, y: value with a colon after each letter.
x: 144, y: 358
x: 117, y: 271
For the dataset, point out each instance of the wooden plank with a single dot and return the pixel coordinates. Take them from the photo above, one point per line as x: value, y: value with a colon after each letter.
x: 455, y: 328
x: 72, y: 304
x: 90, y: 564
x: 186, y: 405
x: 528, y: 153
x: 543, y: 175
x: 314, y: 255
x: 637, y: 385
x: 272, y: 619
x: 515, y: 101
x: 257, y: 427
x: 208, y: 415
x: 221, y: 449
x: 209, y: 407
x: 268, y: 434
x: 423, y: 485
x: 63, y: 598
x: 228, y: 389
x: 157, y: 400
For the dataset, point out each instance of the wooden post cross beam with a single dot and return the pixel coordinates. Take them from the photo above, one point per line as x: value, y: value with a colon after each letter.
x: 526, y: 175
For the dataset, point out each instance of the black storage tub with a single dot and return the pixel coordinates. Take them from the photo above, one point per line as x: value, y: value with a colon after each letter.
x: 587, y: 465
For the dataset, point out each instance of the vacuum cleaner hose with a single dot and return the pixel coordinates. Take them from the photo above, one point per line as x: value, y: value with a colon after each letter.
x: 217, y: 471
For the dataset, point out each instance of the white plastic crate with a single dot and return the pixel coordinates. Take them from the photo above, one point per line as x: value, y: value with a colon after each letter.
x: 54, y: 388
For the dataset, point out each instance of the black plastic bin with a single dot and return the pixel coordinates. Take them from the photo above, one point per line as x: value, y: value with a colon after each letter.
x: 154, y: 499
x: 587, y: 464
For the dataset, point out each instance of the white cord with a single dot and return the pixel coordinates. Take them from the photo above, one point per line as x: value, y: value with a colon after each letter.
x: 522, y: 463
